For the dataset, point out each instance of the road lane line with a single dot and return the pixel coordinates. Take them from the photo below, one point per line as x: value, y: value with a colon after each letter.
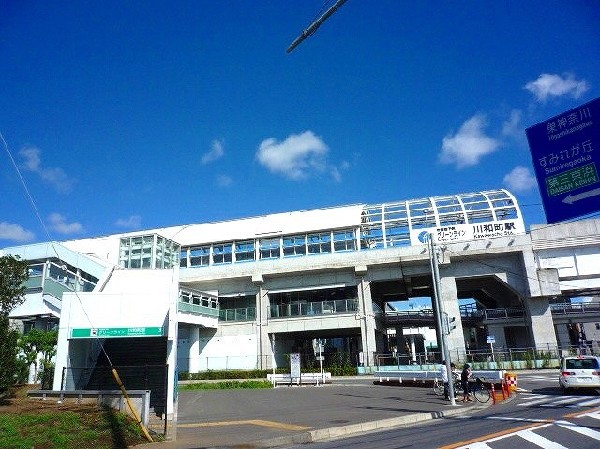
x: 496, y: 435
x: 539, y: 440
x: 579, y: 429
x: 252, y: 422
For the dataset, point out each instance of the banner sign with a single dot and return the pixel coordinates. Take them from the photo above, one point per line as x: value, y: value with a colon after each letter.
x: 116, y: 332
x: 464, y: 232
x: 565, y: 151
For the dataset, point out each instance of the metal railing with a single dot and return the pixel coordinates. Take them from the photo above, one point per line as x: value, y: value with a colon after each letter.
x: 547, y: 356
x: 197, y: 302
x: 568, y: 308
x: 239, y: 314
x: 314, y: 308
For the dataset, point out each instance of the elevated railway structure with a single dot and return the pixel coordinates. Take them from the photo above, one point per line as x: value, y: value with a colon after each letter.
x: 246, y: 293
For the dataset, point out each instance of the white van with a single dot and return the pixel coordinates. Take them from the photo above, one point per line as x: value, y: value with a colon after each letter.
x: 582, y: 371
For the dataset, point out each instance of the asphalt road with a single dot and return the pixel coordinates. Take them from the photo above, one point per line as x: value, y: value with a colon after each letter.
x: 538, y: 417
x: 285, y: 415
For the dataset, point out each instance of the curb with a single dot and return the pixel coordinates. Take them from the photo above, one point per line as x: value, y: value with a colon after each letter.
x: 332, y: 433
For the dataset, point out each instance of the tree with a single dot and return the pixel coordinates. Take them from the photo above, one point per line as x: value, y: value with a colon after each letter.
x: 37, y: 342
x: 13, y: 274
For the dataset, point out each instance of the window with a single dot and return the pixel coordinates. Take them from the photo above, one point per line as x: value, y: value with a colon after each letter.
x: 294, y: 245
x: 244, y: 251
x: 148, y: 251
x: 319, y: 243
x: 200, y: 256
x: 269, y: 248
x: 222, y: 253
x: 183, y: 262
x: 344, y: 240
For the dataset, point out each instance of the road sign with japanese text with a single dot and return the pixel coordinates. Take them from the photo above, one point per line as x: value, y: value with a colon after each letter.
x: 565, y: 151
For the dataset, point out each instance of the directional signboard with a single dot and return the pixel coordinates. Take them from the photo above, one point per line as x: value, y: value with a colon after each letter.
x: 115, y: 332
x: 566, y: 156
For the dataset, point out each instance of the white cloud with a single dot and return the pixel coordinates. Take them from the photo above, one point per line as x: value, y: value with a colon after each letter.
x: 469, y: 144
x: 131, y: 222
x: 520, y: 179
x: 512, y: 126
x: 216, y: 152
x: 294, y: 158
x: 548, y: 85
x: 15, y: 232
x: 224, y: 180
x: 54, y: 176
x: 59, y: 224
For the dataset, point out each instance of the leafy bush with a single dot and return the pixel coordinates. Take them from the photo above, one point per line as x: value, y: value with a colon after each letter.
x: 227, y: 385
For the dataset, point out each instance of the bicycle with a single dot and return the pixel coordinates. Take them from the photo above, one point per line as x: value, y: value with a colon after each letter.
x: 438, y: 386
x: 480, y: 391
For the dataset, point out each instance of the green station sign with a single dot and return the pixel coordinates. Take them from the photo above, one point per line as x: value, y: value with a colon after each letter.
x: 116, y: 332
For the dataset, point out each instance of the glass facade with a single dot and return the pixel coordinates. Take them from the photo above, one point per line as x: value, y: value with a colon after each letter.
x: 385, y: 225
x: 148, y: 252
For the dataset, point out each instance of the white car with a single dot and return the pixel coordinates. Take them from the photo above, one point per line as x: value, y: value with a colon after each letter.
x: 582, y: 371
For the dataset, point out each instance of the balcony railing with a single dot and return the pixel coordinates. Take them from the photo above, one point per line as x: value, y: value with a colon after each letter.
x: 240, y: 314
x: 314, y: 308
x: 568, y: 308
x: 198, y: 303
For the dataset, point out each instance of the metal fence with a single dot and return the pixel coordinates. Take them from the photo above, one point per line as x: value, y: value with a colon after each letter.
x: 501, y: 358
x: 153, y: 378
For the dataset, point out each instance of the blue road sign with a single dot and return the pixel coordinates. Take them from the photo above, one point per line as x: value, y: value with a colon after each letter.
x: 566, y: 157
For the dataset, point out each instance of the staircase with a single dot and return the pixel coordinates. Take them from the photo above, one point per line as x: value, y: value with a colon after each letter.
x: 140, y: 363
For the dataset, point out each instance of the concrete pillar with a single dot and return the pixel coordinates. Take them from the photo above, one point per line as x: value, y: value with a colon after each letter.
x: 264, y: 352
x: 449, y: 301
x: 413, y: 352
x: 367, y: 322
x: 194, y: 351
x: 542, y: 325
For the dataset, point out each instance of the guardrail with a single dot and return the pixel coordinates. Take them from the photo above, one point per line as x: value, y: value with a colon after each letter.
x: 304, y: 379
x: 140, y: 399
x: 425, y: 376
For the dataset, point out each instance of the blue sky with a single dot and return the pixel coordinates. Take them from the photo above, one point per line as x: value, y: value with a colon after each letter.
x: 135, y: 115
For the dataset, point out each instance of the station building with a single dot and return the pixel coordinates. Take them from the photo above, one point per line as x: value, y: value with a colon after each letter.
x: 245, y: 293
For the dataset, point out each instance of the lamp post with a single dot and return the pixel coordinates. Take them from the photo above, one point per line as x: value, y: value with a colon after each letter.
x: 435, y: 272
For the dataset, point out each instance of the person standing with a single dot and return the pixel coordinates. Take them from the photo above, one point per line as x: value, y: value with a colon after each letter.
x: 444, y: 376
x: 465, y: 376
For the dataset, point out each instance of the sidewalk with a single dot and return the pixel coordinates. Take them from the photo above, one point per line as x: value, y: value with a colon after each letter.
x: 285, y: 416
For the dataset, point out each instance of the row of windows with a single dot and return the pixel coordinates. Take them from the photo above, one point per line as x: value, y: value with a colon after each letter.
x: 382, y: 226
x: 147, y: 251
x: 269, y: 248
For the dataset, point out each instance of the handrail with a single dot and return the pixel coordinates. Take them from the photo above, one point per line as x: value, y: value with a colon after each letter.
x: 580, y: 307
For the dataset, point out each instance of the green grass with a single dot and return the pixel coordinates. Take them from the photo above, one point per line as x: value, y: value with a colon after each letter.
x: 89, y: 429
x: 227, y: 385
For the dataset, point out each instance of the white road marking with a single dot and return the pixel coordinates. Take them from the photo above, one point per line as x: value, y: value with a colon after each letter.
x: 539, y: 440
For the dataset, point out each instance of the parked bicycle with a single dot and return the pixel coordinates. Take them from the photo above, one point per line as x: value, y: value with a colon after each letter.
x: 480, y: 391
x: 438, y: 385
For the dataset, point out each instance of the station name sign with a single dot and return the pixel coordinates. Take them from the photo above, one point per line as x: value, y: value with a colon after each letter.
x: 116, y: 332
x: 465, y: 232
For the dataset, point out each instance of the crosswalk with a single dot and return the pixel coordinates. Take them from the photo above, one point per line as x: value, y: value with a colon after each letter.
x: 544, y: 435
x: 547, y: 400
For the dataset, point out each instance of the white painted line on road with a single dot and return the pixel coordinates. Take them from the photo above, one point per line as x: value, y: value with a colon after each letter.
x: 579, y: 429
x: 591, y: 402
x: 506, y: 418
x: 539, y: 400
x: 539, y: 440
x: 567, y: 400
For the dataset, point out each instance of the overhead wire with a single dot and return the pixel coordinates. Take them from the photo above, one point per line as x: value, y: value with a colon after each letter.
x: 95, y: 338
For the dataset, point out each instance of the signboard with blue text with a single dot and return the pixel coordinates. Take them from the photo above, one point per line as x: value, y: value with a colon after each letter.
x: 565, y: 151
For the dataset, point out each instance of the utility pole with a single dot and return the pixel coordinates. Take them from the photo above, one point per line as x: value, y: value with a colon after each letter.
x: 312, y: 28
x: 437, y: 296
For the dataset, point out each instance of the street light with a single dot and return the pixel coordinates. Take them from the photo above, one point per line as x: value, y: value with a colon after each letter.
x: 435, y: 272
